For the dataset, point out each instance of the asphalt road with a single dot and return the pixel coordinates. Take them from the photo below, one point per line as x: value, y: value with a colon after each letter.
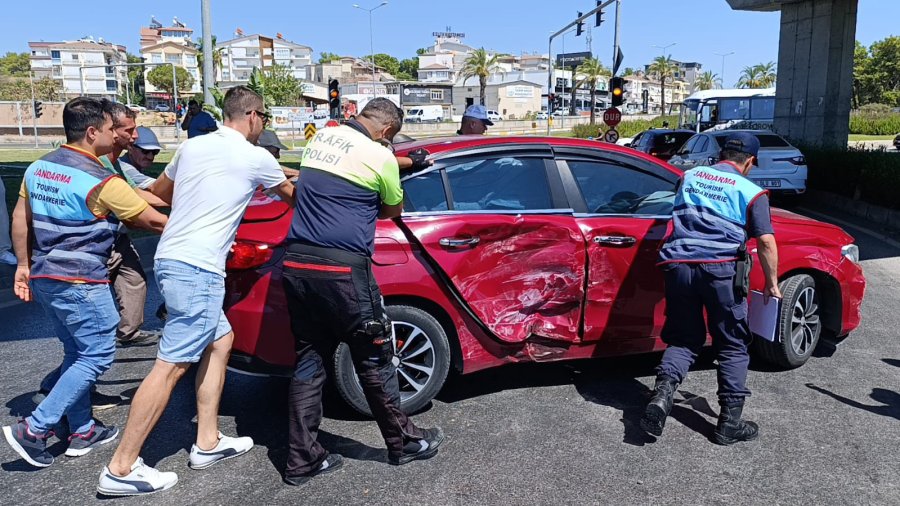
x: 533, y: 434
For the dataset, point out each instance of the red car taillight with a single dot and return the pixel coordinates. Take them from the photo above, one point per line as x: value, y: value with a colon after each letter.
x: 248, y: 255
x: 798, y: 160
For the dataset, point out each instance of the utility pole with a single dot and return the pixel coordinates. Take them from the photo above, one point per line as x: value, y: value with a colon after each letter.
x: 33, y: 115
x: 616, y: 34
x: 208, y: 78
x: 722, y: 75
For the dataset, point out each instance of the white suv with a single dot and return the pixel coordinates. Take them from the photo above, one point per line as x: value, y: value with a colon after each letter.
x: 494, y: 116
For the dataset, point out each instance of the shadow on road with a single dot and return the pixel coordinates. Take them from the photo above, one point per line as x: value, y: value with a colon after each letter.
x: 890, y: 401
x: 891, y: 361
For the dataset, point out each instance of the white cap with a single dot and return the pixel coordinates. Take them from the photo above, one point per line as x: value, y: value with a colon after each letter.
x: 147, y: 139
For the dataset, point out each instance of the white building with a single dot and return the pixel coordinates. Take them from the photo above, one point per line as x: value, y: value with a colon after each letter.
x: 83, y: 67
x: 244, y: 53
x: 675, y: 93
x: 443, y: 61
x: 173, y: 45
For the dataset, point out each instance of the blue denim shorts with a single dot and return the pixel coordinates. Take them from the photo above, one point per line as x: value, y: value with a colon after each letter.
x: 194, y: 300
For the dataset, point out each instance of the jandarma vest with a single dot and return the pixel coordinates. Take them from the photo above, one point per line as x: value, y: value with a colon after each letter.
x: 710, y: 215
x: 70, y: 242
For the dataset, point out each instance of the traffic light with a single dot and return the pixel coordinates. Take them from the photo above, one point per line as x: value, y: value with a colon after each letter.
x: 334, y: 98
x: 599, y: 16
x: 37, y: 108
x: 551, y: 101
x: 617, y: 89
x: 579, y: 28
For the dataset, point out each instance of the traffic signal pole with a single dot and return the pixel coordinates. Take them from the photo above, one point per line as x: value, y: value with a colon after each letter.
x: 33, y: 113
x: 561, y: 31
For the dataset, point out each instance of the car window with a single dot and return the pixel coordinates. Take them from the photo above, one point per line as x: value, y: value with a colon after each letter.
x: 500, y: 184
x: 688, y: 146
x: 616, y: 188
x: 424, y: 193
x: 701, y: 144
x: 771, y: 141
x: 638, y: 139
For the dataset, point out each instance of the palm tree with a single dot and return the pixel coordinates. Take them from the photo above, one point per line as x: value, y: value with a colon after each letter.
x: 707, y: 80
x: 479, y: 64
x: 216, y: 57
x: 663, y: 68
x: 591, y: 72
x: 758, y: 76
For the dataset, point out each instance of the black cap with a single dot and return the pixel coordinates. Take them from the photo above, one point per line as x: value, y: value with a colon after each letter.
x: 742, y: 142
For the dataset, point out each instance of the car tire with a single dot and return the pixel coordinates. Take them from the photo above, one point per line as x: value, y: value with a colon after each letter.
x: 424, y: 356
x: 799, y: 327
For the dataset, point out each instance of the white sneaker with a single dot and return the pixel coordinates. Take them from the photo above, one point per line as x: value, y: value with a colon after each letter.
x: 227, y: 448
x: 142, y: 479
x: 8, y: 258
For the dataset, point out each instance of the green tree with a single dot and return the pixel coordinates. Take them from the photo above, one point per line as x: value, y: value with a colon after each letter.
x: 862, y: 84
x: 628, y: 71
x: 707, y: 80
x: 18, y: 89
x: 326, y: 57
x: 161, y: 77
x: 480, y: 65
x: 662, y: 68
x: 280, y: 87
x: 409, y: 69
x: 136, y: 79
x: 217, y: 53
x: 884, y: 70
x: 387, y: 62
x: 762, y: 75
x: 591, y: 72
x: 15, y: 65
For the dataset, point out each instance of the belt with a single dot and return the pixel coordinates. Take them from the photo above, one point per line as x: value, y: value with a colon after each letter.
x: 334, y: 254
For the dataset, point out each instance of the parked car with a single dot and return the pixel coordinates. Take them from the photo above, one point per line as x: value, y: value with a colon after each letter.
x: 136, y: 108
x: 897, y: 142
x: 163, y: 107
x: 782, y: 167
x: 542, y: 115
x: 546, y: 251
x: 494, y: 115
x: 660, y: 142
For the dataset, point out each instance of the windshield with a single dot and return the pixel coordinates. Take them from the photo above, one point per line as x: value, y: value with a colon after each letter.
x: 415, y: 112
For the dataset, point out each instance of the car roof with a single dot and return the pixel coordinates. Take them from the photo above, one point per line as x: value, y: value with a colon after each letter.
x: 459, y: 142
x: 754, y: 132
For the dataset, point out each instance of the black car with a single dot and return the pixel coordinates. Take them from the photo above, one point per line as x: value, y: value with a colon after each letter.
x: 661, y: 143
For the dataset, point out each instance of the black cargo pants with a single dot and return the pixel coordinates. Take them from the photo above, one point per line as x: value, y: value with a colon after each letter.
x: 332, y: 296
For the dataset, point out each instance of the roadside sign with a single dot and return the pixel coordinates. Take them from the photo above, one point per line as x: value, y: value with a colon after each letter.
x: 572, y: 59
x: 612, y: 116
x: 309, y: 130
x: 332, y: 123
x: 611, y: 136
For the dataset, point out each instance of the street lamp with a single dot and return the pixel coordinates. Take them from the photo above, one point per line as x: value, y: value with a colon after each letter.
x: 371, y: 40
x: 667, y: 46
x: 723, y: 55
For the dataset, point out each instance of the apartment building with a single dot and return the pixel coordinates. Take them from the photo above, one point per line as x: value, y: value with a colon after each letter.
x: 688, y: 72
x: 246, y: 52
x: 83, y: 67
x: 169, y: 44
x: 675, y: 93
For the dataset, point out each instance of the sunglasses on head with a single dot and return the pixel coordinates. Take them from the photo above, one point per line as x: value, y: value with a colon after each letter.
x: 153, y: 152
x: 264, y: 115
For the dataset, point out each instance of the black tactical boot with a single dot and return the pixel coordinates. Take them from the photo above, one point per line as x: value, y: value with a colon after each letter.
x: 657, y: 410
x: 731, y: 429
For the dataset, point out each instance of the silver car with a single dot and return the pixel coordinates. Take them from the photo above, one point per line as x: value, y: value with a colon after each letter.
x: 782, y: 167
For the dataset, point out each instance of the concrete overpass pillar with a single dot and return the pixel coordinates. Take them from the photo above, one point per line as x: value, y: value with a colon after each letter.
x: 815, y: 67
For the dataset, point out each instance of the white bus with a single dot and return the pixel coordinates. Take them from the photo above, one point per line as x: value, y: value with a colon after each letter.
x: 752, y: 109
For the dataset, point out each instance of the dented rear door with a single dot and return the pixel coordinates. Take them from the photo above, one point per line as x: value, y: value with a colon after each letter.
x: 495, y: 226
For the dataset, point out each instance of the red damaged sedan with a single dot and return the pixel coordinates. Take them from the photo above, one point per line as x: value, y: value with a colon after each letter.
x: 516, y: 249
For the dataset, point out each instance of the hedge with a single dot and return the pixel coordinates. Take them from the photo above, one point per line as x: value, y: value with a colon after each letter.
x: 628, y: 128
x: 870, y: 176
x: 874, y: 123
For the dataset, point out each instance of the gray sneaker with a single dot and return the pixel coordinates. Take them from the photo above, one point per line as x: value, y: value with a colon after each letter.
x: 29, y: 446
x: 82, y: 444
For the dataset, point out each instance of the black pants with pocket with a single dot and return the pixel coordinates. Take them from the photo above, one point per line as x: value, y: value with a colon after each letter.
x: 331, y: 295
x: 689, y: 289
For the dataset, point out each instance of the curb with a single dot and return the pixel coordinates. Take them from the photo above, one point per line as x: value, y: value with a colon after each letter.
x: 888, y: 218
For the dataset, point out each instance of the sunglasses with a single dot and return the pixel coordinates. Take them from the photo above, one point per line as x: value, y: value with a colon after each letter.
x: 264, y: 115
x: 149, y: 152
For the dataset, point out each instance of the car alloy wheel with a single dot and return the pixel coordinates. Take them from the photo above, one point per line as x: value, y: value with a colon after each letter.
x: 800, y: 324
x: 805, y: 323
x: 421, y: 354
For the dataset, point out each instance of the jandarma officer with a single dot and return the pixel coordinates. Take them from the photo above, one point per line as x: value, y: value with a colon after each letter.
x: 716, y: 210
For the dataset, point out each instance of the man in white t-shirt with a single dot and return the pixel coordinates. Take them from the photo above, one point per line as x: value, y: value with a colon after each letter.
x: 209, y: 183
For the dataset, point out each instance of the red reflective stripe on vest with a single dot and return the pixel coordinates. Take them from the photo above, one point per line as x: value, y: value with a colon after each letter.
x: 317, y: 267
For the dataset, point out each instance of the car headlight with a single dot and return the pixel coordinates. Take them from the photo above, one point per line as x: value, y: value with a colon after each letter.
x: 851, y: 252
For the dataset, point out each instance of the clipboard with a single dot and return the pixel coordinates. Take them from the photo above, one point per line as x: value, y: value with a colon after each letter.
x: 763, y: 317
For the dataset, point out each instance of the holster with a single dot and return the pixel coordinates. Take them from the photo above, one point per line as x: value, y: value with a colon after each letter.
x: 742, y: 268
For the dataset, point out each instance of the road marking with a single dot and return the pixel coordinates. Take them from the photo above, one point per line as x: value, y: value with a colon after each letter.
x: 871, y: 233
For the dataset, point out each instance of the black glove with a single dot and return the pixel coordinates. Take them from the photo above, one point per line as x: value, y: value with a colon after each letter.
x: 418, y: 158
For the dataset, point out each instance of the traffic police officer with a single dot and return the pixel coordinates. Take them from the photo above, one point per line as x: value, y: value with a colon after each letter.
x: 716, y: 209
x: 347, y: 180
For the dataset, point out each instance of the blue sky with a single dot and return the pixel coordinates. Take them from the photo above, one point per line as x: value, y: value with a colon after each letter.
x: 700, y: 28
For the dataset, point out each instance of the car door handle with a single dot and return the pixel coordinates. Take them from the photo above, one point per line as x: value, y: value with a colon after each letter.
x: 615, y: 240
x: 453, y: 242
